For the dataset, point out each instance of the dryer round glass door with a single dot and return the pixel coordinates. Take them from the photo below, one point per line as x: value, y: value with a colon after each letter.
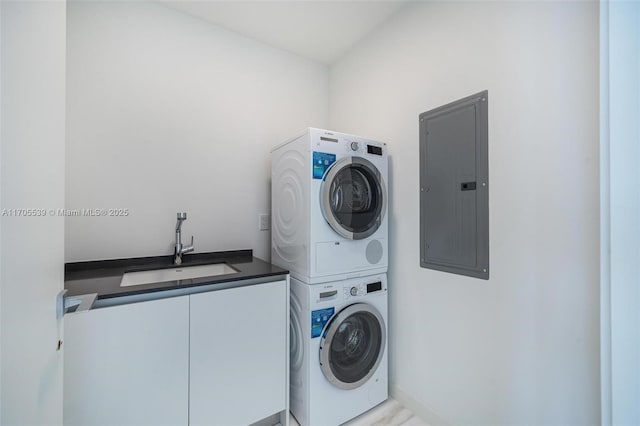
x: 353, y: 198
x: 352, y: 346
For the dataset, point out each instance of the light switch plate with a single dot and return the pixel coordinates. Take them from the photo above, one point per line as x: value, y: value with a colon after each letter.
x: 264, y: 222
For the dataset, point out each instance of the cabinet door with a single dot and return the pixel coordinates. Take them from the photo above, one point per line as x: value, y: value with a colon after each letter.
x: 128, y: 364
x: 238, y: 354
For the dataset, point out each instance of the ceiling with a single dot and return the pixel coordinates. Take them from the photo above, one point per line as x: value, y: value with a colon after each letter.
x: 322, y: 30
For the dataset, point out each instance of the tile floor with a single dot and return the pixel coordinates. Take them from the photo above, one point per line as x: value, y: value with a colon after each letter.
x: 389, y: 413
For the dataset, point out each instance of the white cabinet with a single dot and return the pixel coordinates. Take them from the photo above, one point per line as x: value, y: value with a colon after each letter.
x: 211, y: 358
x: 128, y: 364
x: 238, y: 357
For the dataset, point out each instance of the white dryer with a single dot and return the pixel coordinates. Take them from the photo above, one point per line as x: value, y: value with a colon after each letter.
x: 329, y: 206
x: 338, y: 349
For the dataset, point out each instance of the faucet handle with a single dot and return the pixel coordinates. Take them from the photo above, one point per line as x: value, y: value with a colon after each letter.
x: 189, y: 248
x: 182, y: 215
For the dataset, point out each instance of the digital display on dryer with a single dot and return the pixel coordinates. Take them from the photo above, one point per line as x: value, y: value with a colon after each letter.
x: 374, y: 287
x: 371, y: 149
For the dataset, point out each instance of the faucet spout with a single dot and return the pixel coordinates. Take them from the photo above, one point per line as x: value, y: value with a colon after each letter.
x: 182, y: 216
x: 181, y: 249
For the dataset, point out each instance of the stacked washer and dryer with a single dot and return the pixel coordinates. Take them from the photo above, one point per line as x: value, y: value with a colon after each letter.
x: 329, y: 229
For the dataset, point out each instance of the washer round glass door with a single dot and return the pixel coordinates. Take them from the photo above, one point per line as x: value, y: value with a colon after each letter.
x: 353, y: 198
x: 352, y: 346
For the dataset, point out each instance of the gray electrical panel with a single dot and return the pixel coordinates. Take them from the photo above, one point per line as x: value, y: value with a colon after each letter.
x: 454, y: 187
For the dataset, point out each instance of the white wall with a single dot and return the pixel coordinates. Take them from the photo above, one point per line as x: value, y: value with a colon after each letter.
x: 32, y: 176
x: 620, y: 227
x: 1, y: 127
x: 168, y: 113
x: 1, y: 72
x: 521, y: 348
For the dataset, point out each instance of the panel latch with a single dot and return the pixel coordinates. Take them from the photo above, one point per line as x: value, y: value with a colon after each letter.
x: 468, y: 186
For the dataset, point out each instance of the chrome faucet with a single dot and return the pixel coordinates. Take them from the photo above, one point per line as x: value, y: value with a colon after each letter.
x: 181, y: 249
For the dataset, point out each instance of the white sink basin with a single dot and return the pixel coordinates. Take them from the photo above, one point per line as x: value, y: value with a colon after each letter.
x: 175, y: 274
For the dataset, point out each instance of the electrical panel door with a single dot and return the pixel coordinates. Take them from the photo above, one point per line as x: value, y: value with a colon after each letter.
x: 454, y: 187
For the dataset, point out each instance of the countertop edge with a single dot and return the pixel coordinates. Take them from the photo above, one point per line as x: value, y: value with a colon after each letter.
x: 103, y: 277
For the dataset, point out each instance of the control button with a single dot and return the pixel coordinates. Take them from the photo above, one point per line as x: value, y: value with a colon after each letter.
x: 354, y: 291
x: 354, y: 146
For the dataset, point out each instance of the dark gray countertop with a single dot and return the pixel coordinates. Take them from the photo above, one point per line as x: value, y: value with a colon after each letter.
x: 103, y: 276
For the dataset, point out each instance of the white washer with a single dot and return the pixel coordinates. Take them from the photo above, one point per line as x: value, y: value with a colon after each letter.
x: 329, y: 206
x: 338, y: 349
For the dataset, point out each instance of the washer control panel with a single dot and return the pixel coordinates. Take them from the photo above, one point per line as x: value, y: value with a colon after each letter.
x: 337, y: 143
x: 354, y: 290
x: 330, y: 293
x: 353, y: 146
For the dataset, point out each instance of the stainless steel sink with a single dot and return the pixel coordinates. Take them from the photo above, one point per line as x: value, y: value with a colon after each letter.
x: 176, y: 274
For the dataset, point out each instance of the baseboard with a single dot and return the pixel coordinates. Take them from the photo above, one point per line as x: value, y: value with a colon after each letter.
x: 418, y: 408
